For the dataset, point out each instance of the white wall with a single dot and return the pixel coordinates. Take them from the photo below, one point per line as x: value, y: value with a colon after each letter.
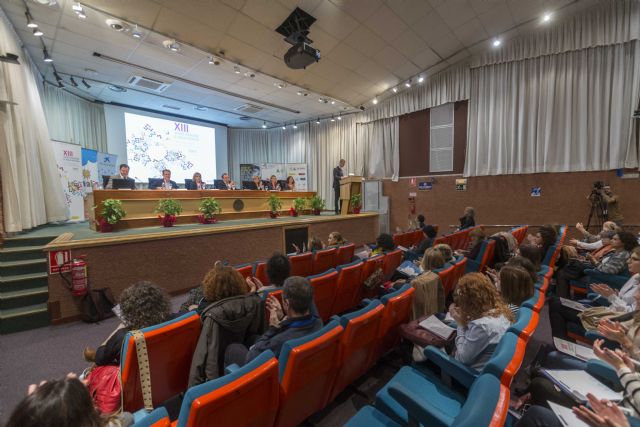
x: 117, y: 141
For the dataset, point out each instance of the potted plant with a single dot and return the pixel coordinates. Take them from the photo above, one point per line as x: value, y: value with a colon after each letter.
x: 299, y: 203
x: 356, y: 203
x: 275, y: 204
x: 111, y: 213
x: 169, y: 209
x: 317, y: 204
x: 209, y: 208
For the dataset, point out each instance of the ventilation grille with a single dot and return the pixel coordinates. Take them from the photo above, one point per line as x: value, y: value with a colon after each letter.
x: 147, y: 83
x: 172, y: 107
x: 245, y: 118
x: 249, y: 108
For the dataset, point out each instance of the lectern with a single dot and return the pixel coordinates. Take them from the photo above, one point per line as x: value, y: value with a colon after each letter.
x: 349, y: 186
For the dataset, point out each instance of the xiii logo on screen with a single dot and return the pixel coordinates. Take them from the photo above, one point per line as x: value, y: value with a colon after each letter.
x: 181, y: 127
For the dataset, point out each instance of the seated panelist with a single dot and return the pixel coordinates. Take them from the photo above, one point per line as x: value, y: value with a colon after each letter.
x: 167, y: 183
x: 291, y: 183
x: 124, y: 174
x: 256, y: 183
x: 226, y: 183
x: 273, y: 184
x: 197, y: 183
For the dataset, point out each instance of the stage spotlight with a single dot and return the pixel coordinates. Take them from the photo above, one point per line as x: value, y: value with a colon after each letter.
x: 87, y: 85
x: 339, y: 117
x: 375, y: 101
x: 264, y: 125
x: 37, y: 32
x: 546, y: 17
x: 318, y: 121
x: 73, y: 82
x: 395, y: 90
x: 295, y: 126
x: 408, y: 84
x: 497, y: 42
x: 236, y: 69
x: 420, y: 79
x: 47, y: 58
x: 30, y: 22
x: 283, y: 127
x: 332, y: 119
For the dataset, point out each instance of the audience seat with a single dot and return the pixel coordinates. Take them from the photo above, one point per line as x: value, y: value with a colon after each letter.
x: 448, y: 278
x: 460, y: 268
x: 159, y: 417
x: 520, y: 233
x: 276, y: 293
x: 392, y: 261
x: 536, y: 302
x: 324, y: 292
x: 301, y: 265
x: 357, y: 344
x: 398, y: 306
x: 348, y: 287
x: 369, y: 266
x: 246, y: 270
x: 484, y: 259
x: 260, y: 272
x: 307, y: 370
x: 344, y: 254
x: 248, y: 396
x: 323, y: 260
x: 170, y: 347
x: 526, y: 323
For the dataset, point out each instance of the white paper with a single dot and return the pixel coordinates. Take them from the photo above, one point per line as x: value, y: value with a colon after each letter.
x: 566, y: 416
x: 402, y: 248
x: 576, y: 350
x: 573, y: 304
x: 433, y: 324
x: 579, y: 383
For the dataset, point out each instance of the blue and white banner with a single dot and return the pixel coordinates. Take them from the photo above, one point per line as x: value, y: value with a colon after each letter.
x: 90, y: 178
x: 107, y: 164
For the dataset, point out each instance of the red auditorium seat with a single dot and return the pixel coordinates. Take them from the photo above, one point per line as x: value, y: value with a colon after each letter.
x: 170, y: 348
x: 307, y: 370
x: 324, y: 292
x: 448, y: 279
x: 261, y: 272
x: 368, y: 268
x: 348, y: 287
x: 392, y: 261
x: 323, y: 260
x: 344, y: 254
x: 301, y: 265
x: 246, y: 270
x: 397, y: 310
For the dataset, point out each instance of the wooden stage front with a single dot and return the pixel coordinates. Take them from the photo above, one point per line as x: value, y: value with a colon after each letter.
x: 177, y: 258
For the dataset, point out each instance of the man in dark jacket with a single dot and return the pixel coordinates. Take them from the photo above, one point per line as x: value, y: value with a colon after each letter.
x: 297, y: 299
x: 338, y: 173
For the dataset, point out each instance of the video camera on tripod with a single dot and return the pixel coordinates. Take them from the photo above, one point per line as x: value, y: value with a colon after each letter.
x: 598, y: 210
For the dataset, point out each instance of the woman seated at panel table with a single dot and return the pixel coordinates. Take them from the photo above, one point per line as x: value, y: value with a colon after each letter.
x: 197, y: 183
x: 291, y: 184
x: 256, y: 183
x: 273, y: 184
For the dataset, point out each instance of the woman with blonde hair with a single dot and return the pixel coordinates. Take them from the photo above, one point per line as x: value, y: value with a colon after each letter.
x: 482, y: 318
x: 429, y: 295
x: 335, y: 239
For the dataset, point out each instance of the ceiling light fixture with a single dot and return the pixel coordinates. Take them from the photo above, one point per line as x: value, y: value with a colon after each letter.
x: 236, y: 69
x: 420, y: 79
x: 284, y: 127
x: 47, y: 58
x: 339, y: 117
x: 408, y: 84
x: 87, y: 85
x: 332, y: 119
x: 280, y: 85
x: 333, y: 102
x: 79, y: 11
x: 264, y: 125
x: 395, y: 90
x: 249, y: 74
x: 546, y: 17
x: 497, y: 42
x: 73, y: 82
x: 116, y: 24
x: 200, y: 108
x: 136, y: 33
x: 302, y: 93
x: 295, y: 126
x: 172, y: 45
x: 37, y: 32
x: 117, y: 88
x: 375, y: 101
x: 214, y: 60
x: 30, y: 22
x: 318, y: 121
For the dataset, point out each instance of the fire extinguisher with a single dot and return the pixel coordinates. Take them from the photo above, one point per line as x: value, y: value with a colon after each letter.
x: 79, y: 277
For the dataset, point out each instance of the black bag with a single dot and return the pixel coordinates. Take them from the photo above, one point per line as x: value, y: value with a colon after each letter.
x: 574, y: 269
x: 97, y: 305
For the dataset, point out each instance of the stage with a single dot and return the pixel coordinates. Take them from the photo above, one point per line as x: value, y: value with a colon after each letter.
x: 176, y: 258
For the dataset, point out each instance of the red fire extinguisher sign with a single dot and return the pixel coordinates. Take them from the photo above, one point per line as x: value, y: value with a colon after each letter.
x: 59, y: 261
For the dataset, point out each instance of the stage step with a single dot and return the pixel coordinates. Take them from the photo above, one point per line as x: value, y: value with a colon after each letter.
x: 21, y: 253
x: 24, y: 318
x: 29, y: 266
x: 22, y: 241
x: 24, y: 297
x: 21, y: 282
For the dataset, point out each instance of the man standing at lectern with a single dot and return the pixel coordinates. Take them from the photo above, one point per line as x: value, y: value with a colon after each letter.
x: 338, y: 173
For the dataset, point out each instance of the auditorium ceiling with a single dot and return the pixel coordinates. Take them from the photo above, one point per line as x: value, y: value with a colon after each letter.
x: 368, y: 47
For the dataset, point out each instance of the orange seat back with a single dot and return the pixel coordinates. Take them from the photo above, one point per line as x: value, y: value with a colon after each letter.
x: 368, y: 268
x: 448, y: 279
x: 344, y: 254
x: 397, y: 310
x: 245, y: 270
x: 392, y: 261
x: 261, y: 272
x: 487, y: 257
x: 324, y: 292
x: 276, y: 293
x: 358, y: 344
x: 301, y: 265
x: 348, y: 287
x: 307, y: 370
x: 323, y: 260
x: 170, y: 348
x: 247, y: 397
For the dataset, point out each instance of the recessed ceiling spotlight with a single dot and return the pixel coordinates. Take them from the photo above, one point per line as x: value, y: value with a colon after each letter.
x: 30, y: 22
x: 420, y: 79
x: 37, y: 32
x: 117, y: 88
x: 408, y: 84
x: 333, y: 102
x: 136, y: 33
x: 73, y: 82
x: 375, y: 101
x: 249, y: 74
x: 47, y: 58
x: 264, y: 125
x: 47, y: 2
x: 116, y: 24
x: 496, y: 43
x: 236, y: 69
x: 200, y: 108
x: 323, y: 100
x: 87, y: 85
x: 172, y: 45
x: 213, y: 60
x: 302, y: 93
x: 77, y: 8
x: 280, y: 85
x: 546, y: 17
x: 395, y: 90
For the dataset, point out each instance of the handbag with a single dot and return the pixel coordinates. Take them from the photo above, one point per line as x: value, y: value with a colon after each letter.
x: 97, y: 305
x: 422, y: 337
x: 593, y: 315
x: 105, y: 388
x: 375, y: 280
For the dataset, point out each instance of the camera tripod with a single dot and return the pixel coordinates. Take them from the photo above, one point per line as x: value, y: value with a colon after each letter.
x: 598, y: 212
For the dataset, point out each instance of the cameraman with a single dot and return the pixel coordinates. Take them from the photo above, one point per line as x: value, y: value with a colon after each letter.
x: 613, y: 205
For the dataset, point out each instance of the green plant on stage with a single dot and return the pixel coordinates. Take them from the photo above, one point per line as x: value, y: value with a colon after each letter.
x: 275, y: 204
x: 316, y: 203
x: 209, y: 207
x: 356, y: 201
x: 299, y: 204
x: 112, y: 211
x: 169, y: 207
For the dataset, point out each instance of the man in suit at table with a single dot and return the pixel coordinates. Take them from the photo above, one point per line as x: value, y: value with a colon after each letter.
x: 226, y: 183
x: 124, y: 174
x: 338, y: 173
x: 166, y: 183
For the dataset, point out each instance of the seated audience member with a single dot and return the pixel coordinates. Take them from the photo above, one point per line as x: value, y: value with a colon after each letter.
x: 314, y: 244
x: 124, y: 174
x: 64, y: 402
x: 447, y: 253
x: 291, y: 183
x: 429, y: 296
x: 197, y: 183
x: 526, y: 264
x: 273, y: 184
x: 603, y: 248
x: 384, y: 243
x: 295, y: 321
x: 415, y: 252
x: 622, y: 301
x: 613, y: 262
x: 482, y: 318
x: 515, y: 286
x: 477, y: 236
x: 233, y: 315
x: 420, y: 220
x: 167, y: 183
x: 544, y: 238
x: 511, y: 241
x: 278, y: 268
x: 226, y: 183
x: 532, y: 253
x: 141, y: 305
x: 468, y: 219
x: 335, y: 240
x: 588, y: 238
